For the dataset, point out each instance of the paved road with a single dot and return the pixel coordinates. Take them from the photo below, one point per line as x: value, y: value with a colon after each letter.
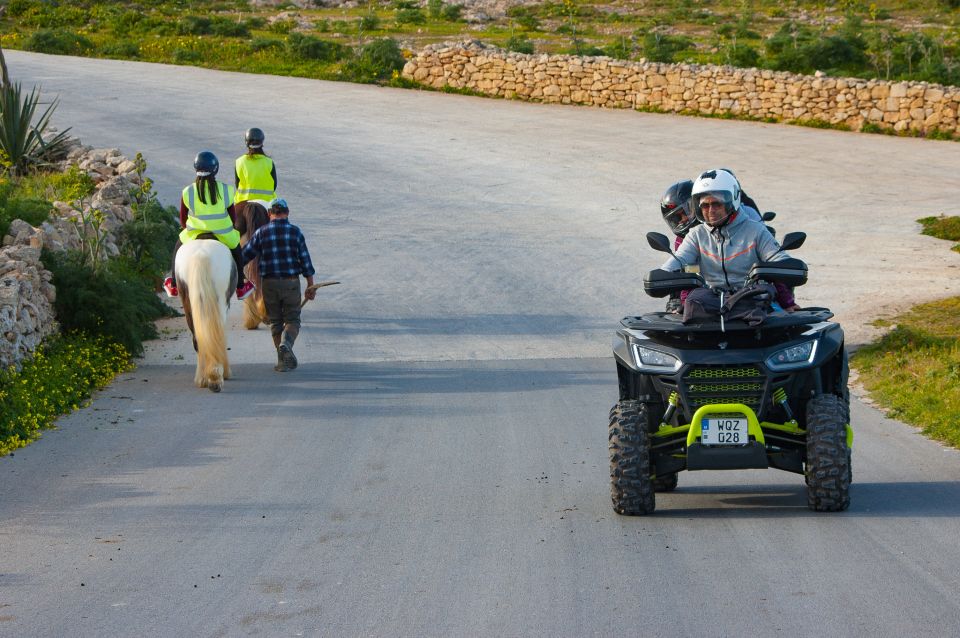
x: 437, y: 466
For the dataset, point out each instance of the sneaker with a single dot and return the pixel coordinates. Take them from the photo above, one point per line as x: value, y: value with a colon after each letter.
x: 287, y: 357
x: 245, y: 290
x: 170, y: 287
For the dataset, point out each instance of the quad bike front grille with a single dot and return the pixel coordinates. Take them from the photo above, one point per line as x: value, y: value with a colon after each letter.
x: 707, y: 385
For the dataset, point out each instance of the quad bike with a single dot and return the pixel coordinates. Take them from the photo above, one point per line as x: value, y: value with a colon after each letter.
x: 724, y: 395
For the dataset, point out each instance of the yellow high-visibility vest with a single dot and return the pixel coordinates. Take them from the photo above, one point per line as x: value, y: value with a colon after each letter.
x: 210, y: 218
x: 256, y: 178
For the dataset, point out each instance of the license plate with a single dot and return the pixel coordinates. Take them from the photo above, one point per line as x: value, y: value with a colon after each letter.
x: 724, y: 431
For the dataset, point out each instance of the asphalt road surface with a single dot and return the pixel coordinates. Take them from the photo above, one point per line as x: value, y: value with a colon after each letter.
x: 437, y: 466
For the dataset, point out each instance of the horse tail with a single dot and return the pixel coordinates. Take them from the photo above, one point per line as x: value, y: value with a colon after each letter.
x: 207, y: 275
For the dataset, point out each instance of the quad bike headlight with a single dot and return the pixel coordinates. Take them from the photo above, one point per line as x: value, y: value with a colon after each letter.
x: 654, y: 360
x: 793, y: 357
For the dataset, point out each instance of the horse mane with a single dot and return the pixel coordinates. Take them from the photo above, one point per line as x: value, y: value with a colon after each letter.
x: 250, y: 216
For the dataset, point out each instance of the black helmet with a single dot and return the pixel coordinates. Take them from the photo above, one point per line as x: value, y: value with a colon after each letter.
x: 675, y: 208
x: 254, y: 138
x: 206, y: 164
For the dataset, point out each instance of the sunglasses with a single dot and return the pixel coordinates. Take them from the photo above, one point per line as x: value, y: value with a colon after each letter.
x: 714, y: 205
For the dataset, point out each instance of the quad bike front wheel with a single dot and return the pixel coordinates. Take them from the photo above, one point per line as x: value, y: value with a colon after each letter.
x: 828, y: 468
x: 631, y: 487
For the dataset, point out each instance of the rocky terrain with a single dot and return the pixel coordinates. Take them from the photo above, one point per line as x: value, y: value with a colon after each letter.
x: 26, y: 292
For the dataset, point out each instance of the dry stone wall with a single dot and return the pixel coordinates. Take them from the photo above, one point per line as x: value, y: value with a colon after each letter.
x: 918, y: 107
x: 26, y: 292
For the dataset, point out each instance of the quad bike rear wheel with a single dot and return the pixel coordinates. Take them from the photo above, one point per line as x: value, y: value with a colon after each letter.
x: 666, y: 483
x: 631, y: 486
x: 828, y: 468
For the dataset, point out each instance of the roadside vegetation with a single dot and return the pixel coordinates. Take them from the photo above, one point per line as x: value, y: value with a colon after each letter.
x: 914, y: 370
x: 106, y: 306
x: 916, y: 40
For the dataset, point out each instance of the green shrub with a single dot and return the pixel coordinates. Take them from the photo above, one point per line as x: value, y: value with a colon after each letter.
x: 369, y: 22
x: 519, y: 44
x: 113, y: 301
x: 662, y: 47
x: 263, y: 44
x: 374, y: 62
x: 123, y: 49
x: 58, y: 379
x: 194, y: 25
x: 58, y: 42
x: 452, y: 12
x: 528, y: 22
x: 797, y: 48
x: 283, y: 26
x: 148, y: 239
x: 32, y: 210
x: 621, y: 49
x: 310, y: 47
x: 410, y: 16
x: 227, y: 28
x: 741, y: 55
x: 19, y: 8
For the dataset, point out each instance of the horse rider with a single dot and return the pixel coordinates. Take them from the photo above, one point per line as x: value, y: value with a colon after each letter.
x: 254, y: 172
x: 206, y: 208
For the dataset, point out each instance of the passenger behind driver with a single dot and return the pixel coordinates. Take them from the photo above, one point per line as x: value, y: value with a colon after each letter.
x: 727, y: 244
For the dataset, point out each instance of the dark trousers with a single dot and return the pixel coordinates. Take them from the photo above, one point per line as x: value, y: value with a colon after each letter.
x: 237, y: 257
x: 282, y: 300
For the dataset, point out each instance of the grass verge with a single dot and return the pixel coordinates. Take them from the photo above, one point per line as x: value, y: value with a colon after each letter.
x: 914, y: 371
x: 942, y: 227
x: 59, y: 378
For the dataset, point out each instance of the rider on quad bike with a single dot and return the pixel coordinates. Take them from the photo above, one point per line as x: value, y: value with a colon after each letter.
x: 675, y: 207
x: 748, y: 386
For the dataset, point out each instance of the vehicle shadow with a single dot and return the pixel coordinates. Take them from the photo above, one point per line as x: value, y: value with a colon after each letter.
x: 933, y: 499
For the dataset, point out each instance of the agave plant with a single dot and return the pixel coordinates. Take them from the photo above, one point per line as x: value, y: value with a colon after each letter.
x: 22, y: 142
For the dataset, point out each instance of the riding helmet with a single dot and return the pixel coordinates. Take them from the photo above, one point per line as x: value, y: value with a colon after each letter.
x: 206, y: 164
x: 254, y: 138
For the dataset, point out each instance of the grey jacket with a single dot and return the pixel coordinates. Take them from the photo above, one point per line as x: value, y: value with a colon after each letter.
x: 726, y: 254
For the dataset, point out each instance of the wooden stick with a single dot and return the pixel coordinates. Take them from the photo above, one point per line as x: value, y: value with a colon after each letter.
x: 314, y: 287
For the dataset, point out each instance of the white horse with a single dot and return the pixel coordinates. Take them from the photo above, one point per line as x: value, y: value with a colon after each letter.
x: 207, y: 277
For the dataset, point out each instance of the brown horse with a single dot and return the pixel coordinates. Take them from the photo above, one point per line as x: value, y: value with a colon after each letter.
x: 251, y: 215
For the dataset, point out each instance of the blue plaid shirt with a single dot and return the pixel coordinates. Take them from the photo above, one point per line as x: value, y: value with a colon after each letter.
x: 282, y: 250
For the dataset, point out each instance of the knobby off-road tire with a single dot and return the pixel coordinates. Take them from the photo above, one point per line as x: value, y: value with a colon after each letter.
x: 828, y: 469
x: 631, y: 488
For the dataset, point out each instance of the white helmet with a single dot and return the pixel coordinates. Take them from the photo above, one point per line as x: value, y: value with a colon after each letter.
x: 722, y: 185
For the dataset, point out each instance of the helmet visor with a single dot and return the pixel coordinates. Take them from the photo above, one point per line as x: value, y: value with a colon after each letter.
x: 679, y: 219
x: 713, y: 207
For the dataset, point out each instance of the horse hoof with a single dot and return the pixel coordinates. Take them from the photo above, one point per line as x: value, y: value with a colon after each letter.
x: 214, y: 387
